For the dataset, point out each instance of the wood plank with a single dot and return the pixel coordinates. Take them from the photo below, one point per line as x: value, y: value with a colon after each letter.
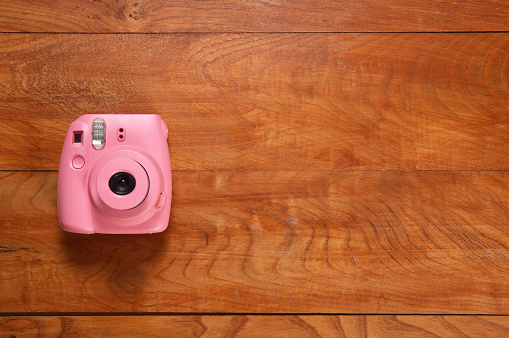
x: 278, y: 242
x: 256, y: 326
x: 268, y: 101
x: 109, y: 16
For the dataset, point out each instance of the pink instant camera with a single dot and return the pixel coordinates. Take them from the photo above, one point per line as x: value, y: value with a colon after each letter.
x: 114, y: 175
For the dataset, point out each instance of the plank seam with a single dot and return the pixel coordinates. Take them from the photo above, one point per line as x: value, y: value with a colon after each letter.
x: 255, y: 32
x: 291, y: 171
x: 219, y: 314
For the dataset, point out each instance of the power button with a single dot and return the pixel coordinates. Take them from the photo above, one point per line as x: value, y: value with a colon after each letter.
x: 78, y: 162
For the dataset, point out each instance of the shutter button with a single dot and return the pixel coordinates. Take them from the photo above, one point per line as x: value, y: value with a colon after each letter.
x: 78, y: 162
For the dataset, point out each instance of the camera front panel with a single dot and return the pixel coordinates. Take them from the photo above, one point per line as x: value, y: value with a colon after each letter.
x: 115, y: 175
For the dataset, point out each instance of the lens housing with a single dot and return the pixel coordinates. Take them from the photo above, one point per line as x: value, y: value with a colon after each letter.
x: 122, y: 183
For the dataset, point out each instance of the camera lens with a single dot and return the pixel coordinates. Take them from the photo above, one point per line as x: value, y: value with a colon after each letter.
x: 122, y: 183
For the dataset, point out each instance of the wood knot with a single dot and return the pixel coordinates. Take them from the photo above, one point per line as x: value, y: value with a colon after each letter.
x: 134, y: 11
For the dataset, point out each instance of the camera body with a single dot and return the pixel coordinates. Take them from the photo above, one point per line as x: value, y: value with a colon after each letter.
x: 114, y: 175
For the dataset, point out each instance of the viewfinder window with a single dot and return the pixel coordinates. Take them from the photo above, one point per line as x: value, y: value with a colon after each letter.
x: 77, y: 136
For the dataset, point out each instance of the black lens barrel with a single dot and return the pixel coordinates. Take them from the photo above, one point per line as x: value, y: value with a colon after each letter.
x: 122, y: 183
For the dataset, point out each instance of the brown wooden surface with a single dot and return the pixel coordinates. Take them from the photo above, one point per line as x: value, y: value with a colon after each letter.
x: 256, y: 326
x: 267, y: 101
x: 252, y: 16
x: 315, y: 242
x: 329, y: 157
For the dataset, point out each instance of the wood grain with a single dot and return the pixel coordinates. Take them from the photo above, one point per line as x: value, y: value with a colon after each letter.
x: 252, y: 16
x: 256, y: 326
x: 267, y: 101
x: 329, y: 157
x: 278, y: 242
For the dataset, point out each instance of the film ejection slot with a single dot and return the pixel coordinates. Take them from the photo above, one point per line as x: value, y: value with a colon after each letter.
x: 98, y: 133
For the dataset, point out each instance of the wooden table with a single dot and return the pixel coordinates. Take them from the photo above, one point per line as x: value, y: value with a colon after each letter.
x: 340, y: 168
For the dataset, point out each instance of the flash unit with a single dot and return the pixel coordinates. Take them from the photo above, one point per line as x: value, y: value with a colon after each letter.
x: 98, y: 133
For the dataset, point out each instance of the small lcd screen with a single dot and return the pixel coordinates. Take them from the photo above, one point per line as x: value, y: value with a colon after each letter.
x: 77, y: 138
